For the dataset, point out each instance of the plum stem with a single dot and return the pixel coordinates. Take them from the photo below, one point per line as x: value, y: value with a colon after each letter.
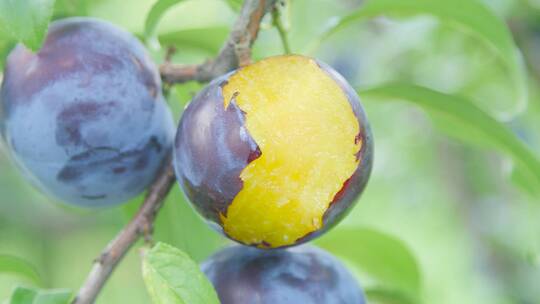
x: 235, y: 52
x: 282, y: 31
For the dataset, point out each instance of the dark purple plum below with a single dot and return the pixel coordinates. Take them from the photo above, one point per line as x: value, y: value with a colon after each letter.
x: 306, y: 275
x: 84, y: 117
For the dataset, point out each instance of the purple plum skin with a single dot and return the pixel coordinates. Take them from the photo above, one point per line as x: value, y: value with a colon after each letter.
x: 304, y: 274
x: 212, y: 147
x: 84, y: 117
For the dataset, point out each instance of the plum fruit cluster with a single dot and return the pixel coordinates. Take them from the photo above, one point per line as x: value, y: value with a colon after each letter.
x: 275, y: 153
x: 305, y: 274
x: 84, y: 117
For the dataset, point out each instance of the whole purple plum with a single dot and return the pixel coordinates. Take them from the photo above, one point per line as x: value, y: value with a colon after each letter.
x: 275, y: 153
x: 304, y: 274
x: 84, y: 117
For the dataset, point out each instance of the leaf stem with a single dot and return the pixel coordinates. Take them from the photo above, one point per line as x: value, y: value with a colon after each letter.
x: 283, y: 34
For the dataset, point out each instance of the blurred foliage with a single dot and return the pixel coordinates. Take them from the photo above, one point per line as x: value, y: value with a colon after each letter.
x: 22, y: 295
x: 470, y: 124
x: 382, y: 257
x: 26, y: 20
x: 440, y: 221
x: 208, y: 40
x: 152, y: 20
x: 15, y: 265
x: 479, y: 21
x: 235, y: 4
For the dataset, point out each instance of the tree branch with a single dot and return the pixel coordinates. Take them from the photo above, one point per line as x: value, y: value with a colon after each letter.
x: 141, y: 224
x: 235, y: 52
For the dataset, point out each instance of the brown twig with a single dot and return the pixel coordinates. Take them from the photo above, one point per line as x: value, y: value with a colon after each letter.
x: 236, y: 52
x: 139, y: 226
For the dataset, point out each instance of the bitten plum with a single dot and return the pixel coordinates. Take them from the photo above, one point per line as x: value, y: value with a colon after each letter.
x: 84, y: 117
x: 304, y: 274
x: 275, y: 153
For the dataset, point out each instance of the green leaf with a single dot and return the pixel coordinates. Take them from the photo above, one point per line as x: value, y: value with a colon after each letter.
x: 235, y: 5
x: 383, y: 257
x: 154, y: 16
x: 520, y: 178
x: 26, y: 20
x: 20, y: 267
x: 58, y: 296
x: 381, y: 295
x: 474, y: 124
x: 23, y: 295
x: 66, y: 8
x: 5, y: 47
x: 207, y: 39
x: 469, y: 15
x: 172, y: 277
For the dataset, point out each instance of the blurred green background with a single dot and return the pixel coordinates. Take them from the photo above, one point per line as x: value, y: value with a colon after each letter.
x: 472, y: 234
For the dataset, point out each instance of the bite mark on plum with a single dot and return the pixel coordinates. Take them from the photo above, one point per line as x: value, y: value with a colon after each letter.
x: 278, y: 176
x: 253, y: 155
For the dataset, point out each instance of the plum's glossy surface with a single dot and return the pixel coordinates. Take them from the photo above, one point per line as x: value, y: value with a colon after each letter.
x: 84, y: 117
x: 305, y: 275
x: 214, y: 146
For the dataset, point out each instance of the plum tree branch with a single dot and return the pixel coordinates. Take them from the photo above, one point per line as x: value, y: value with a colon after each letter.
x: 119, y: 246
x: 235, y: 52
